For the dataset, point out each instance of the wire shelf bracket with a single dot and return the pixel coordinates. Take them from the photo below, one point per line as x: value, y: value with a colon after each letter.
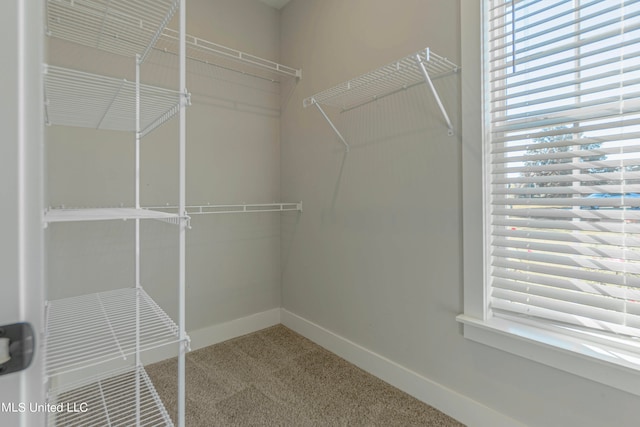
x: 421, y: 67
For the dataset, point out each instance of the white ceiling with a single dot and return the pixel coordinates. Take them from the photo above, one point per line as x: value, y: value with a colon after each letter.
x: 278, y: 4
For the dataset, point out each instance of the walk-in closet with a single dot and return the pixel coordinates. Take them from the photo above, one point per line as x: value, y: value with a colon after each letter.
x: 276, y: 212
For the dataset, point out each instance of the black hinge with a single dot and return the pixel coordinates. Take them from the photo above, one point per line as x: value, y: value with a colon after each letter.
x: 21, y: 346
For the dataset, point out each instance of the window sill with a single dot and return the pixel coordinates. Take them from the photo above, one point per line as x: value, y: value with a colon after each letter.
x: 597, y: 361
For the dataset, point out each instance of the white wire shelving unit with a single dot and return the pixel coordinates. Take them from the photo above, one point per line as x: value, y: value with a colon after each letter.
x: 111, y: 400
x: 421, y: 67
x: 90, y: 330
x: 126, y: 322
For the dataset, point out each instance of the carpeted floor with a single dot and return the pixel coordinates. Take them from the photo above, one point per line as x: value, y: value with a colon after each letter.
x: 276, y: 377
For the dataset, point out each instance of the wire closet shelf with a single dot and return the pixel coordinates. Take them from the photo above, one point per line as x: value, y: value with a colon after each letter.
x: 123, y: 27
x: 128, y: 28
x: 384, y: 81
x: 106, y: 214
x: 92, y: 329
x: 76, y: 98
x: 110, y: 400
x: 421, y: 67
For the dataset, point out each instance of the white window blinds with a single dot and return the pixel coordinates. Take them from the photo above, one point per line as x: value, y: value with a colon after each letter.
x: 562, y: 179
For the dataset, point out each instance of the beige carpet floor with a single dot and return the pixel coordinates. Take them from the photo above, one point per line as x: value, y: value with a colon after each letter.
x: 276, y: 377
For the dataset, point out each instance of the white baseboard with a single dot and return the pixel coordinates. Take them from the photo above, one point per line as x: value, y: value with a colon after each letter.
x: 215, y: 334
x: 458, y: 406
x: 234, y: 328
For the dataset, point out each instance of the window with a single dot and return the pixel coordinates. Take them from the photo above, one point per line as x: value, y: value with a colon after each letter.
x: 561, y: 150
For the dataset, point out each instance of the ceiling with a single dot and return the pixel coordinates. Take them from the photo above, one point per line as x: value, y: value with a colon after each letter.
x: 278, y: 4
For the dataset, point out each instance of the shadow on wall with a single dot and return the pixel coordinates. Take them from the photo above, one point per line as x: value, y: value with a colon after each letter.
x: 219, y: 85
x: 397, y: 143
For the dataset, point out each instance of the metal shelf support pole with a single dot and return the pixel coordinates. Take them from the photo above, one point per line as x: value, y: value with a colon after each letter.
x: 433, y: 90
x: 182, y: 212
x: 137, y: 237
x: 332, y: 125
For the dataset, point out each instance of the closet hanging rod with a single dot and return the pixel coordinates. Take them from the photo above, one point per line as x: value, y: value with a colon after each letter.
x: 239, y: 208
x: 207, y: 52
x: 421, y: 67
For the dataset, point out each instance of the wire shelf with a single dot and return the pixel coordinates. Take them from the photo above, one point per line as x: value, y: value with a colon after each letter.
x: 105, y: 214
x: 123, y: 27
x: 241, y: 208
x: 76, y: 98
x: 112, y: 400
x: 384, y: 81
x: 92, y: 329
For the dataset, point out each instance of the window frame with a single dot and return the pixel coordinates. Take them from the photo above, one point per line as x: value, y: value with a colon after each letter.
x: 579, y: 354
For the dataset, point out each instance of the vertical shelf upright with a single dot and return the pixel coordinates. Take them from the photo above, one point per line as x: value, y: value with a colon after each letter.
x: 90, y: 330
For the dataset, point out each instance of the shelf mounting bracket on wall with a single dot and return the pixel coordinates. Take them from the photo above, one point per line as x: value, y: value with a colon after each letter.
x: 346, y: 146
x: 421, y: 67
x: 427, y: 79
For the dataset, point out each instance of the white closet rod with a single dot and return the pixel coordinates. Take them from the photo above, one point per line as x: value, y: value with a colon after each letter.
x: 204, y: 51
x: 240, y: 208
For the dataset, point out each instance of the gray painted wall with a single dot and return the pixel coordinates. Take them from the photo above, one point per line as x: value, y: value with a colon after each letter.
x: 377, y: 257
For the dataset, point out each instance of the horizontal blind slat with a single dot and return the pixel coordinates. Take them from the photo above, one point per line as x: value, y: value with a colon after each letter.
x: 499, y: 65
x: 589, y: 264
x: 544, y: 152
x: 573, y: 236
x: 565, y: 311
x: 562, y: 142
x: 582, y: 178
x: 569, y: 249
x: 600, y: 224
x: 566, y: 74
x: 558, y: 284
x: 559, y: 296
x: 499, y: 23
x: 560, y: 271
x: 608, y: 26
